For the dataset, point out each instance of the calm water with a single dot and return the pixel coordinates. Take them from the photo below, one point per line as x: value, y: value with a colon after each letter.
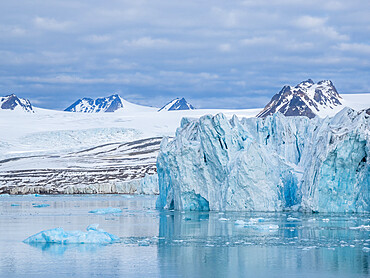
x: 177, y: 244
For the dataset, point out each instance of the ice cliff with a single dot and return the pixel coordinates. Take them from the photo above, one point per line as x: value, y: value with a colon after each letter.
x: 273, y: 164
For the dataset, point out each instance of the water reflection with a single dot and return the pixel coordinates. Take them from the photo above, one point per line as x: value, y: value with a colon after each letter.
x: 194, y: 243
x: 60, y: 249
x: 181, y: 244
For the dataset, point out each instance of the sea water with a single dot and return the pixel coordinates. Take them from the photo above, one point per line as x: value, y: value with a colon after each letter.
x: 179, y: 244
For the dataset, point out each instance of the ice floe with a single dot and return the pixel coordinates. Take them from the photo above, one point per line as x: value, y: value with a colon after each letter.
x: 40, y: 205
x: 93, y: 235
x: 106, y: 210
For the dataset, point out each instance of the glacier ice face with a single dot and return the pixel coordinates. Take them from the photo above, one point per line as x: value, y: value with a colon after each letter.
x: 59, y: 236
x: 270, y: 164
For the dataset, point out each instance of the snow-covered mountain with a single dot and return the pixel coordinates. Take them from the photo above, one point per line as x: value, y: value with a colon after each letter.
x: 12, y: 102
x: 105, y: 104
x: 177, y: 104
x: 306, y: 99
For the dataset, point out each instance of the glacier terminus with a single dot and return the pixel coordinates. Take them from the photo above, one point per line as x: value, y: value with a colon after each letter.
x: 274, y: 164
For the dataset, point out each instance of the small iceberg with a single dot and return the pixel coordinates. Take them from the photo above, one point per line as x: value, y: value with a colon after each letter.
x: 362, y: 227
x: 292, y: 219
x: 255, y: 223
x: 251, y: 222
x: 59, y: 236
x: 40, y: 205
x: 106, y: 210
x: 240, y: 223
x: 223, y: 219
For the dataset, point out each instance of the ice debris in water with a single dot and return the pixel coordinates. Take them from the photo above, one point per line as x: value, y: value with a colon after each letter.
x: 255, y: 223
x: 223, y: 219
x: 59, y: 236
x: 240, y: 223
x: 106, y: 210
x: 292, y: 219
x: 251, y: 222
x: 40, y: 205
x: 362, y: 227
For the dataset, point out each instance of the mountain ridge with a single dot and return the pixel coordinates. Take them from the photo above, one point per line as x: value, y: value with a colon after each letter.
x: 177, y: 104
x: 12, y: 102
x: 103, y: 104
x: 305, y: 99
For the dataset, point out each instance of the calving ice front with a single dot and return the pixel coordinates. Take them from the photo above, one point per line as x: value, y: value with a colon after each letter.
x: 272, y: 164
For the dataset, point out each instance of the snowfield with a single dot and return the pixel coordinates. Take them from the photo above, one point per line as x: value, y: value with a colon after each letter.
x: 64, y: 152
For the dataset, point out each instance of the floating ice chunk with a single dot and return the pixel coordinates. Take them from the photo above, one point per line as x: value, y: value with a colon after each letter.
x: 106, y: 210
x: 264, y: 227
x: 59, y: 236
x: 366, y: 249
x: 143, y: 243
x: 223, y: 219
x: 256, y: 220
x: 308, y: 248
x: 255, y: 223
x: 326, y: 220
x: 292, y: 219
x: 270, y: 227
x: 251, y: 222
x: 40, y: 205
x: 362, y: 227
x: 240, y: 223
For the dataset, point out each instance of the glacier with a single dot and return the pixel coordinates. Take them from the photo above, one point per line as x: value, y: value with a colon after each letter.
x: 93, y: 235
x: 274, y: 164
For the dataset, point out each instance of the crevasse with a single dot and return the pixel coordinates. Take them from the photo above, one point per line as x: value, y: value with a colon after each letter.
x: 273, y: 164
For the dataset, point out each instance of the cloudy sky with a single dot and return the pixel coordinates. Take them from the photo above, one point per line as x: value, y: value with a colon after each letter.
x: 231, y: 54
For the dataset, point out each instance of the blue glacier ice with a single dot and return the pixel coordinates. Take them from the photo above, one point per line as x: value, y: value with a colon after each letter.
x: 273, y: 164
x: 93, y: 235
x: 106, y: 210
x: 40, y: 205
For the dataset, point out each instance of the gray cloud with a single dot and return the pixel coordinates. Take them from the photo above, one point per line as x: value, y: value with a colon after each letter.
x: 235, y: 54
